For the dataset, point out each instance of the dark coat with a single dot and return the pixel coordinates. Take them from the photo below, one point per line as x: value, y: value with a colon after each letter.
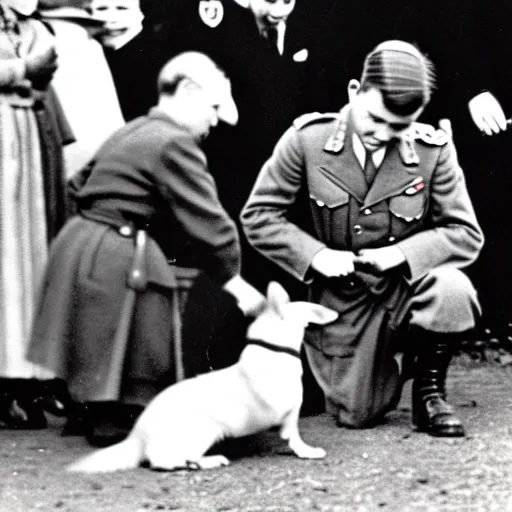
x: 135, y: 67
x: 151, y: 175
x: 440, y: 28
x: 54, y: 132
x: 491, y: 36
x: 350, y: 30
x: 479, y: 59
x: 270, y: 90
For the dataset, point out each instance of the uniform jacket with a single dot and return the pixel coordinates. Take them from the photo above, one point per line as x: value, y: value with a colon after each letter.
x: 418, y: 199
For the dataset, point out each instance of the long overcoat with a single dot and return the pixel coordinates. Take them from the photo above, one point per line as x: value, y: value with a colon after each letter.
x: 150, y: 175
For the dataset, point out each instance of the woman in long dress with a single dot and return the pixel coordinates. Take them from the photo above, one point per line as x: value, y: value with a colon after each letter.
x: 32, y: 132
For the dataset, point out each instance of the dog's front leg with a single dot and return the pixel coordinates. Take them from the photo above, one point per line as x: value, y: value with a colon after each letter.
x: 290, y: 432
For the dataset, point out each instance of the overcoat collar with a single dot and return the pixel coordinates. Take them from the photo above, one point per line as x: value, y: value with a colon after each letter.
x: 158, y: 113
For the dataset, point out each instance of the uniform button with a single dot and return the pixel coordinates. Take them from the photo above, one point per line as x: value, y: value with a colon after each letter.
x: 367, y: 211
x: 320, y: 203
x: 125, y: 230
x: 392, y: 238
x: 358, y: 229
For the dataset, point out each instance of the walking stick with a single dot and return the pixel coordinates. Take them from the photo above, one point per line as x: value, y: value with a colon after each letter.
x: 136, y: 283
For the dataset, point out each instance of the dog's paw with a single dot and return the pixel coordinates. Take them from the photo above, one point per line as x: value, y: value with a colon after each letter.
x: 211, y: 461
x: 310, y: 452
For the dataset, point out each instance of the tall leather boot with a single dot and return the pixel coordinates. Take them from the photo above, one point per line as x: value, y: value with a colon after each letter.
x: 430, y: 411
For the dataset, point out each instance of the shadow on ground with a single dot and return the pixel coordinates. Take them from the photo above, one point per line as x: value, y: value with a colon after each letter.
x: 385, y: 468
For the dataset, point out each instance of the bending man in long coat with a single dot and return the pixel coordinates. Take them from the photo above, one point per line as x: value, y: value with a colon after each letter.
x: 150, y: 176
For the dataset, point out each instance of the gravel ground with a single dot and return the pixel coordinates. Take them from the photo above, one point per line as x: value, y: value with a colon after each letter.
x: 388, y: 467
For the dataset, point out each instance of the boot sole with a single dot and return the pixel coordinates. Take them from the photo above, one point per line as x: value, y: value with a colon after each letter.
x: 446, y: 432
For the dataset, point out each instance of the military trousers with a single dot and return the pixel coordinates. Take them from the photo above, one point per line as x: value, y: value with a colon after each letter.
x: 353, y: 359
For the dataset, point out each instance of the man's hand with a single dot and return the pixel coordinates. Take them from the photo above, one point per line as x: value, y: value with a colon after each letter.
x: 332, y: 263
x: 381, y: 259
x: 248, y: 298
x: 487, y: 113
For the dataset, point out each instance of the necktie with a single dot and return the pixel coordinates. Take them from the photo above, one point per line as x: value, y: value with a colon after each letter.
x: 271, y: 36
x: 369, y: 169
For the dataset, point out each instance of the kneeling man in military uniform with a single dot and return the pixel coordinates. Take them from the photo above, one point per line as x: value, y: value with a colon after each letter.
x: 392, y: 227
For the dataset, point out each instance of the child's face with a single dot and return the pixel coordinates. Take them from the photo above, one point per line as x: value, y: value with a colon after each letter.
x: 271, y: 12
x: 123, y: 19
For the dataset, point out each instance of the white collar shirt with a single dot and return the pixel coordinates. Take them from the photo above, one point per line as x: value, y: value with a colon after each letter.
x: 360, y: 152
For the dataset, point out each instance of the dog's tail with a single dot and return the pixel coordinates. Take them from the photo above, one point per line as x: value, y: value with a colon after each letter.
x: 124, y: 455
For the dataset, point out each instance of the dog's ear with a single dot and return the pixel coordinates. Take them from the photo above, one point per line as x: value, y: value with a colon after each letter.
x: 277, y: 298
x: 310, y: 313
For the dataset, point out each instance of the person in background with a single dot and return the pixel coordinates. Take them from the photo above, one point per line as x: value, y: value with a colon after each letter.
x: 393, y: 225
x: 32, y: 198
x: 264, y: 46
x: 85, y: 101
x: 485, y: 93
x: 265, y: 49
x: 134, y: 56
x: 104, y: 320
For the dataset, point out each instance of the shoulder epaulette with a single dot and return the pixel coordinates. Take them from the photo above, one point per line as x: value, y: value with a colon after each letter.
x: 307, y: 119
x: 429, y: 134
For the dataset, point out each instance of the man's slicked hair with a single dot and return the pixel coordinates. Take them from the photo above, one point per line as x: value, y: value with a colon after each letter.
x: 405, y: 77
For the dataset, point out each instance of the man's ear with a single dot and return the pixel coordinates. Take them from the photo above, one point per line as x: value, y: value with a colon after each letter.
x: 187, y: 85
x: 352, y: 89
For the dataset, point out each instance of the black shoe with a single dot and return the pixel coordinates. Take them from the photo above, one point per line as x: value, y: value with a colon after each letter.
x: 22, y: 415
x: 106, y: 434
x: 112, y: 422
x: 18, y: 408
x: 79, y: 422
x: 102, y: 423
x: 127, y: 415
x: 54, y: 397
x: 436, y: 417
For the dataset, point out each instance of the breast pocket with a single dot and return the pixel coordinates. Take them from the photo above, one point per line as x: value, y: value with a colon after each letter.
x: 407, y: 213
x: 329, y: 206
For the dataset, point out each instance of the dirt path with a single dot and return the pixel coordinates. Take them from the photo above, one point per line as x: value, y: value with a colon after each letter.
x: 386, y: 468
